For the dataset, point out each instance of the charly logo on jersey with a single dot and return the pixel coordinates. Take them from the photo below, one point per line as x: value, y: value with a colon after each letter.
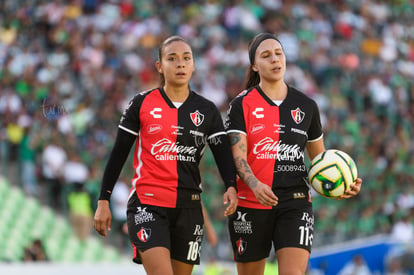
x: 197, y: 118
x: 154, y: 128
x: 142, y: 216
x: 144, y: 234
x: 165, y: 149
x: 156, y: 112
x: 267, y: 148
x: 257, y: 128
x: 258, y: 112
x: 241, y: 246
x: 241, y: 225
x: 298, y: 115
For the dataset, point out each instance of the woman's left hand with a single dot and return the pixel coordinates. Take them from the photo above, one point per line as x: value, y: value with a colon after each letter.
x: 353, y: 191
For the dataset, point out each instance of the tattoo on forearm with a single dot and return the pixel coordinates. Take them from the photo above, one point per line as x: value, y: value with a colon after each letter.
x: 242, y: 167
x: 243, y: 147
x: 245, y: 173
x: 234, y: 138
x: 251, y: 181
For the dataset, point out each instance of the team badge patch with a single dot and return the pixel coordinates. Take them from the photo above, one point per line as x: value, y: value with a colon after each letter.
x: 144, y: 234
x: 197, y: 118
x: 241, y: 246
x: 297, y: 115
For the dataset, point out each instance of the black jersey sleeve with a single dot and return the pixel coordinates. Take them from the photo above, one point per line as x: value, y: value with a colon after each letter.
x: 220, y: 147
x: 315, y: 129
x: 119, y: 154
x: 235, y: 118
x: 216, y: 126
x: 130, y: 118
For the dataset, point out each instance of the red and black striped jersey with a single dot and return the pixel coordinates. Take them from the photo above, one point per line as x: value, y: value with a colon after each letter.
x: 170, y: 143
x: 276, y: 139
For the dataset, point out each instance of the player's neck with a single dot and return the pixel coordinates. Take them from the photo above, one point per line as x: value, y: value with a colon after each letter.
x: 274, y: 90
x: 177, y: 94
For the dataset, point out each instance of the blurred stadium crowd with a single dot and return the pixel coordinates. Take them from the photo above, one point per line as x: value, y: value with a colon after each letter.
x: 69, y: 67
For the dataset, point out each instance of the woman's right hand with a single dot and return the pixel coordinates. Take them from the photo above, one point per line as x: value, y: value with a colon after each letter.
x: 103, y: 217
x: 264, y: 194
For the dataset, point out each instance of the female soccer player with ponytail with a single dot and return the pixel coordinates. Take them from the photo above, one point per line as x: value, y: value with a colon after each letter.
x: 270, y: 125
x: 170, y: 125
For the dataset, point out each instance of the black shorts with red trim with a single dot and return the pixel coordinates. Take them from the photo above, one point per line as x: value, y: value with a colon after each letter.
x: 178, y: 229
x: 253, y: 231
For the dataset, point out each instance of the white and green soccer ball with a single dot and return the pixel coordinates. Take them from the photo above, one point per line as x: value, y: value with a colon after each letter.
x: 332, y: 172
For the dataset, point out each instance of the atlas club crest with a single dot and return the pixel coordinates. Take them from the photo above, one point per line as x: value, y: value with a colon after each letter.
x: 197, y: 118
x: 297, y: 115
x: 241, y: 246
x: 144, y: 234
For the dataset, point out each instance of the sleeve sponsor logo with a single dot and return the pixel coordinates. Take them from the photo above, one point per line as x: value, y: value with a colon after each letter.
x: 125, y: 111
x: 227, y: 121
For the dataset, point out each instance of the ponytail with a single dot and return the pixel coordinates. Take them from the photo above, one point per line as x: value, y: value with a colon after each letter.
x: 251, y: 78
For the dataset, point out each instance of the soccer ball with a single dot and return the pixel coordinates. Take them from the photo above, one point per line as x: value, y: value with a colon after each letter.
x: 332, y: 172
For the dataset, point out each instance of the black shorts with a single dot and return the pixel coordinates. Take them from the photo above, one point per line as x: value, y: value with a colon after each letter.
x: 178, y: 229
x: 252, y: 231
